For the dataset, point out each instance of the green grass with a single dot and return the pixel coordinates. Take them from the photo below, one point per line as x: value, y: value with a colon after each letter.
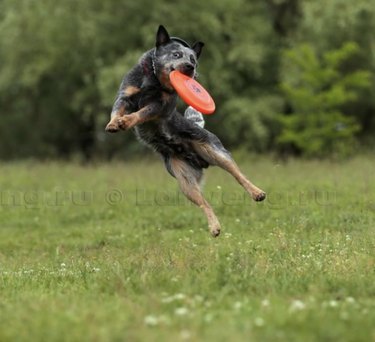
x: 114, y: 253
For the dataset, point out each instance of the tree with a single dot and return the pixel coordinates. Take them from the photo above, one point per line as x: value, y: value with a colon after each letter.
x: 328, y: 25
x: 317, y: 88
x: 61, y: 63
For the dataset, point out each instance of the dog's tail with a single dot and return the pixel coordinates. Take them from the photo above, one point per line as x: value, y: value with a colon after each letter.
x: 194, y: 116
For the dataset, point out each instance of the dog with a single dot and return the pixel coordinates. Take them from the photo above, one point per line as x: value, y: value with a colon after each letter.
x: 146, y: 101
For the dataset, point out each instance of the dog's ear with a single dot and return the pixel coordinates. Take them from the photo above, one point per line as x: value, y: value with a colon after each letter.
x: 162, y: 36
x: 197, y: 47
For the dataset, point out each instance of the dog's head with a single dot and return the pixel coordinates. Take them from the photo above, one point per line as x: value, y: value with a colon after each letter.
x: 172, y: 53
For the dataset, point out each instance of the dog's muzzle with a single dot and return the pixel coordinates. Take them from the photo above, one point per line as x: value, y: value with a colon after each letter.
x: 188, y: 69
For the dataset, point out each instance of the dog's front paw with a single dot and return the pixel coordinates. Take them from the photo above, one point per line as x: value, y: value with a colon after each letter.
x: 126, y: 122
x: 112, y: 127
x: 121, y: 123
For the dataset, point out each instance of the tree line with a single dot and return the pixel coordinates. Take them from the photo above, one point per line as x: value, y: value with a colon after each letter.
x: 292, y: 77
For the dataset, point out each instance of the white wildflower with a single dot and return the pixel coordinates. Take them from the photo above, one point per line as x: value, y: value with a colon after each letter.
x: 170, y: 299
x: 297, y: 305
x: 182, y: 311
x: 333, y: 303
x: 179, y: 296
x: 350, y: 300
x: 167, y: 300
x: 151, y: 320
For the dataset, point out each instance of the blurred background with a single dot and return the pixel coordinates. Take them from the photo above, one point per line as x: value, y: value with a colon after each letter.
x: 289, y: 77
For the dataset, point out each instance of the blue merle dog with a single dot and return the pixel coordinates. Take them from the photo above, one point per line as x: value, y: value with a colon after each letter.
x: 146, y: 101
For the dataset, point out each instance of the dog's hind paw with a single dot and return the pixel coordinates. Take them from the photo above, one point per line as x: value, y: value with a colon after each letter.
x: 215, y: 232
x: 260, y: 196
x: 215, y: 229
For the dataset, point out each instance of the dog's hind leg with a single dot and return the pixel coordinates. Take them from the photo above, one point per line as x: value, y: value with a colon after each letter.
x: 188, y: 179
x: 215, y: 154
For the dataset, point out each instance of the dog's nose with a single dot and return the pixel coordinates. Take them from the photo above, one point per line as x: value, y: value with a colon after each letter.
x: 187, y: 69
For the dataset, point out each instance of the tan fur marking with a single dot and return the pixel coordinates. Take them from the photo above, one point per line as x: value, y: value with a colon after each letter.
x: 112, y: 125
x: 189, y: 185
x: 218, y: 158
x: 131, y: 120
x: 131, y: 90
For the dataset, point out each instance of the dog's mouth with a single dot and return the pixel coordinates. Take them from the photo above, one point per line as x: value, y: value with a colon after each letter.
x: 186, y: 69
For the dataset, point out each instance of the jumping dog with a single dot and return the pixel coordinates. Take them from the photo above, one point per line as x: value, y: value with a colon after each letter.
x: 146, y: 101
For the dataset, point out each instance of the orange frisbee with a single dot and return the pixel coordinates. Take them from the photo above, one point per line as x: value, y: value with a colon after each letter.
x: 192, y: 92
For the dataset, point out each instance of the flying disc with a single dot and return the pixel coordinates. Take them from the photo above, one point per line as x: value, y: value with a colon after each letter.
x: 192, y: 92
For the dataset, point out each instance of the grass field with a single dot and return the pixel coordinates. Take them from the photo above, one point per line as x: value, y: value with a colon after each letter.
x: 113, y: 252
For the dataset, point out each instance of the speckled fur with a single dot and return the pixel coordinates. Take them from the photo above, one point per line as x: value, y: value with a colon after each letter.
x: 146, y: 101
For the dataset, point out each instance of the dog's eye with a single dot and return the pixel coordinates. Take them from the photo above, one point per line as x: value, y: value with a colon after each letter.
x: 192, y: 59
x: 177, y: 54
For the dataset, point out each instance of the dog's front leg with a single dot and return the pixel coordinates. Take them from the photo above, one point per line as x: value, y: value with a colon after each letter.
x: 121, y: 105
x: 147, y: 113
x: 119, y: 109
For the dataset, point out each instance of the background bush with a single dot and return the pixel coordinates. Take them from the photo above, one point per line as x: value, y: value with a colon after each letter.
x: 272, y: 66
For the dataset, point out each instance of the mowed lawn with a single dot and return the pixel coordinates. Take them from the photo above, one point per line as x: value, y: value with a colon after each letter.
x: 113, y: 252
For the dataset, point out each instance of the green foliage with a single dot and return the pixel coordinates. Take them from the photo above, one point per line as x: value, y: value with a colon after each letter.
x: 317, y: 89
x: 52, y: 53
x: 61, y: 63
x: 328, y: 25
x: 250, y: 122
